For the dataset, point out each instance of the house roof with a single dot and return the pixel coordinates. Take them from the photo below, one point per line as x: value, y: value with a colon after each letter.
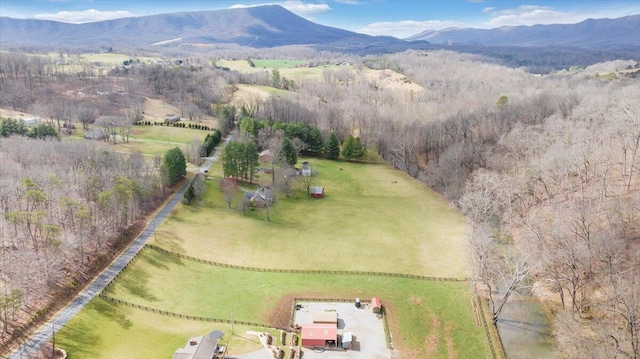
x: 204, y: 348
x: 319, y: 331
x: 316, y: 190
x: 375, y: 302
x: 325, y: 317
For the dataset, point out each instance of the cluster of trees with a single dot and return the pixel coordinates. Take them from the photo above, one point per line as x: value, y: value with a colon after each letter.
x: 195, y: 126
x: 63, y: 205
x: 211, y: 141
x: 240, y: 160
x: 12, y: 127
x: 174, y: 165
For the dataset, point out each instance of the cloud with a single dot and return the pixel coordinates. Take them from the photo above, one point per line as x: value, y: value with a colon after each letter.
x: 403, y: 29
x: 79, y: 17
x: 534, y: 14
x: 349, y: 2
x: 296, y: 7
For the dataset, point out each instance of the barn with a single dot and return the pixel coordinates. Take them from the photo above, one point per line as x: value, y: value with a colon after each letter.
x: 316, y: 192
x: 376, y: 305
x: 319, y: 335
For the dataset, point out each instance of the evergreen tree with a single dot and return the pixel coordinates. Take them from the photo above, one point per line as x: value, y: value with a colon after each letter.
x: 315, y: 142
x: 289, y: 153
x: 358, y: 150
x: 348, y: 148
x: 175, y: 164
x: 332, y: 147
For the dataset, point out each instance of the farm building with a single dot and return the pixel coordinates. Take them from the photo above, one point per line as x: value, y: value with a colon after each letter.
x: 319, y: 335
x: 266, y: 156
x: 201, y: 347
x: 347, y: 339
x: 316, y: 192
x: 376, y: 305
x: 171, y: 118
x: 96, y: 134
x: 325, y: 318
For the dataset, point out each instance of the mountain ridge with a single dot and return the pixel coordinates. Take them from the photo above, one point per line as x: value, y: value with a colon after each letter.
x: 589, y: 33
x: 260, y: 26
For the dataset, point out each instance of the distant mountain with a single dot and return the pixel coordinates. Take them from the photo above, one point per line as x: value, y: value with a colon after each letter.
x: 262, y: 26
x: 591, y: 33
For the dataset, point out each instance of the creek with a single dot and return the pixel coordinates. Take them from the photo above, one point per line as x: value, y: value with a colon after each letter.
x: 525, y: 330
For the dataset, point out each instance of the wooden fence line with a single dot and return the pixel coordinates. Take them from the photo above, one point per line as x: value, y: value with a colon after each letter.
x: 305, y: 271
x: 187, y: 316
x: 496, y: 353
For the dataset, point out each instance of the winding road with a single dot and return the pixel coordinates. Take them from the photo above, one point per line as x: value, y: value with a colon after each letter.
x: 62, y: 317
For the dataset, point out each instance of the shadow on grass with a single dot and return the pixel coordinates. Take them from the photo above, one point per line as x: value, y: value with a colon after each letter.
x: 80, y: 340
x: 136, y: 283
x: 161, y: 260
x: 113, y: 312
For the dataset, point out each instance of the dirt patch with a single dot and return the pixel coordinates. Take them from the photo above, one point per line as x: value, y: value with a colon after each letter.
x: 451, y: 351
x: 415, y: 300
x: 432, y: 341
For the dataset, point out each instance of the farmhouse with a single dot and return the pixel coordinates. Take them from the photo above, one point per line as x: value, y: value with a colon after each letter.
x: 200, y: 347
x: 171, y: 118
x: 266, y: 156
x: 96, y: 134
x: 316, y: 192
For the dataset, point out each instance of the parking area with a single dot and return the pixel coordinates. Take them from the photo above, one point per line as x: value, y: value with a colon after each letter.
x: 367, y: 329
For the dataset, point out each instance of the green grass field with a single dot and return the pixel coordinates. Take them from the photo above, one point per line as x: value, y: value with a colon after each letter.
x: 105, y: 330
x: 278, y: 63
x: 372, y: 212
x: 163, y: 281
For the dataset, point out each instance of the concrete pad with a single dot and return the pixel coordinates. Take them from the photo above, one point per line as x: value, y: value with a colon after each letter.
x: 367, y: 329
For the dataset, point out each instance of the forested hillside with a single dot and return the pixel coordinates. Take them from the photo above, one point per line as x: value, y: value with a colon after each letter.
x: 546, y: 168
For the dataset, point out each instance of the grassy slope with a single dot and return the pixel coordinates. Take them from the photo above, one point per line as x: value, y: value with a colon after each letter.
x: 374, y: 213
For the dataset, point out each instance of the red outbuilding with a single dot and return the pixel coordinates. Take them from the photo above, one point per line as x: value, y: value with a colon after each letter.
x: 376, y: 305
x: 319, y: 335
x: 316, y: 192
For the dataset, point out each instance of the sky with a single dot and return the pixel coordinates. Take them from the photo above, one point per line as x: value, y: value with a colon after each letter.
x: 399, y: 18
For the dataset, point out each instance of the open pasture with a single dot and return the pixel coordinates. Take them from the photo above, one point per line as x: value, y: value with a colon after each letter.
x: 417, y: 309
x: 372, y: 218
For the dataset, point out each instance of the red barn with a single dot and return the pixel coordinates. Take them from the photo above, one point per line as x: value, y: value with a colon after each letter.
x: 316, y: 192
x: 376, y: 305
x: 319, y: 335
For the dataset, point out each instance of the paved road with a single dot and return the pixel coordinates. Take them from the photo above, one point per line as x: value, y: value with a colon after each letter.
x: 64, y: 315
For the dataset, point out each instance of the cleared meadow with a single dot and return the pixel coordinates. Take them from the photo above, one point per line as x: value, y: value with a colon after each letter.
x: 373, y: 218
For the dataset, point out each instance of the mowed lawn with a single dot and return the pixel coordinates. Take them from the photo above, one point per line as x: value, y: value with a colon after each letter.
x: 417, y: 309
x: 105, y: 330
x: 373, y: 218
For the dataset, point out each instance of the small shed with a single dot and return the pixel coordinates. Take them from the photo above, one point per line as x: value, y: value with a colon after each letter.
x: 376, y: 305
x: 325, y: 318
x: 316, y: 192
x: 319, y: 335
x: 347, y: 338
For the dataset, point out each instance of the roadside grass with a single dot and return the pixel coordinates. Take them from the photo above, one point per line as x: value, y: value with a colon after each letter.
x: 373, y: 218
x: 166, y: 282
x: 105, y: 330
